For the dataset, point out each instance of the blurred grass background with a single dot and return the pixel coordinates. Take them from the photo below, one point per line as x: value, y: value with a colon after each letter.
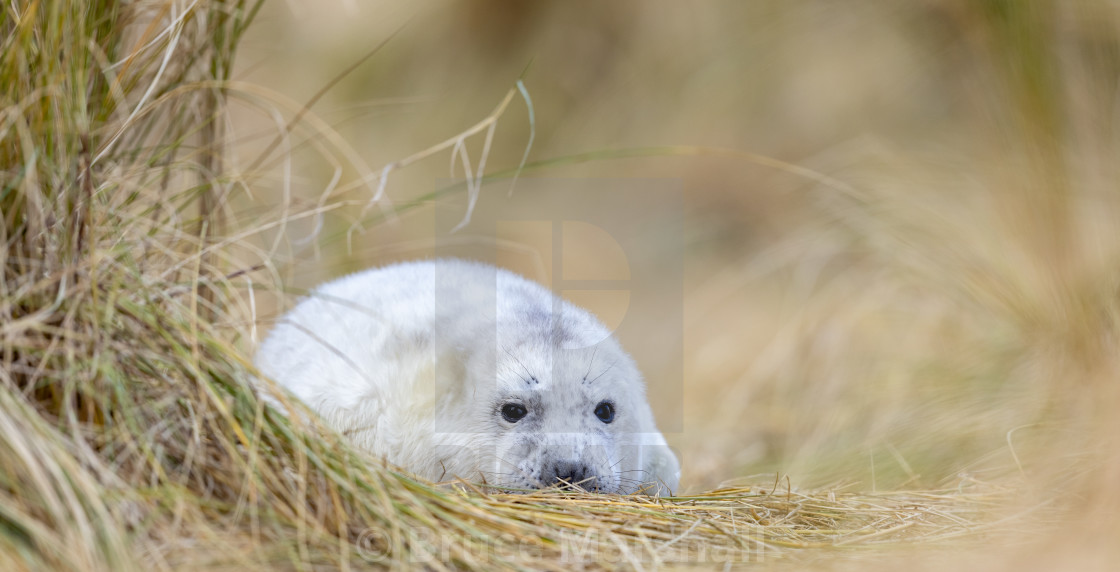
x: 949, y: 318
x: 928, y: 300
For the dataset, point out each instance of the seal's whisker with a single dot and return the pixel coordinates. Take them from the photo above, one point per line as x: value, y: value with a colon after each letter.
x: 592, y: 362
x: 529, y: 375
x: 601, y: 374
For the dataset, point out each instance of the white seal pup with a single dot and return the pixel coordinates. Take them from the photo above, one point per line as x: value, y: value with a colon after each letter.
x: 450, y: 368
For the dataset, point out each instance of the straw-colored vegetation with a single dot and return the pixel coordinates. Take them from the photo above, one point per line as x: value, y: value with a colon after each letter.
x: 133, y: 257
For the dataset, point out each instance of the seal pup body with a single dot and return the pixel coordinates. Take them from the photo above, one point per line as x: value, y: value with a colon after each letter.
x: 450, y: 368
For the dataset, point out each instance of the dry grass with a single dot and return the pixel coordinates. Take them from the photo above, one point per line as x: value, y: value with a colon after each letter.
x: 130, y: 437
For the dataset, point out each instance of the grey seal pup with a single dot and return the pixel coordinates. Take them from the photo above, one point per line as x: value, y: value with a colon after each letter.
x: 456, y: 369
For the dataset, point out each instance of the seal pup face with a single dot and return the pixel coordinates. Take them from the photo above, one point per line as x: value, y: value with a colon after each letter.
x: 555, y: 400
x: 566, y: 416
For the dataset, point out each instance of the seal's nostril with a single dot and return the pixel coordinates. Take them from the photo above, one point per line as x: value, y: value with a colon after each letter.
x: 573, y: 474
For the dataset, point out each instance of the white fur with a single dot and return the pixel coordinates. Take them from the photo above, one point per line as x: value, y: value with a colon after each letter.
x: 414, y: 361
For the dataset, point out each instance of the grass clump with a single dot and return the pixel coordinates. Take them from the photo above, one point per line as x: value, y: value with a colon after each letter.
x: 130, y: 436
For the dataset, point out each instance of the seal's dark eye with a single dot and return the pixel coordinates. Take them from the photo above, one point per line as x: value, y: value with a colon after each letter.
x: 513, y: 412
x: 605, y: 411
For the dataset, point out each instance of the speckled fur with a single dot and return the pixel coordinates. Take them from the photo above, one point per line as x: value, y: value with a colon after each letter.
x: 414, y: 361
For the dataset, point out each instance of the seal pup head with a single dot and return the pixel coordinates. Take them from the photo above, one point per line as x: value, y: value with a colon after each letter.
x: 556, y: 401
x: 575, y: 417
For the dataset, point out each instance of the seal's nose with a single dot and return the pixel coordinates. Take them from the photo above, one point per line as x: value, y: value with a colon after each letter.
x: 567, y: 474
